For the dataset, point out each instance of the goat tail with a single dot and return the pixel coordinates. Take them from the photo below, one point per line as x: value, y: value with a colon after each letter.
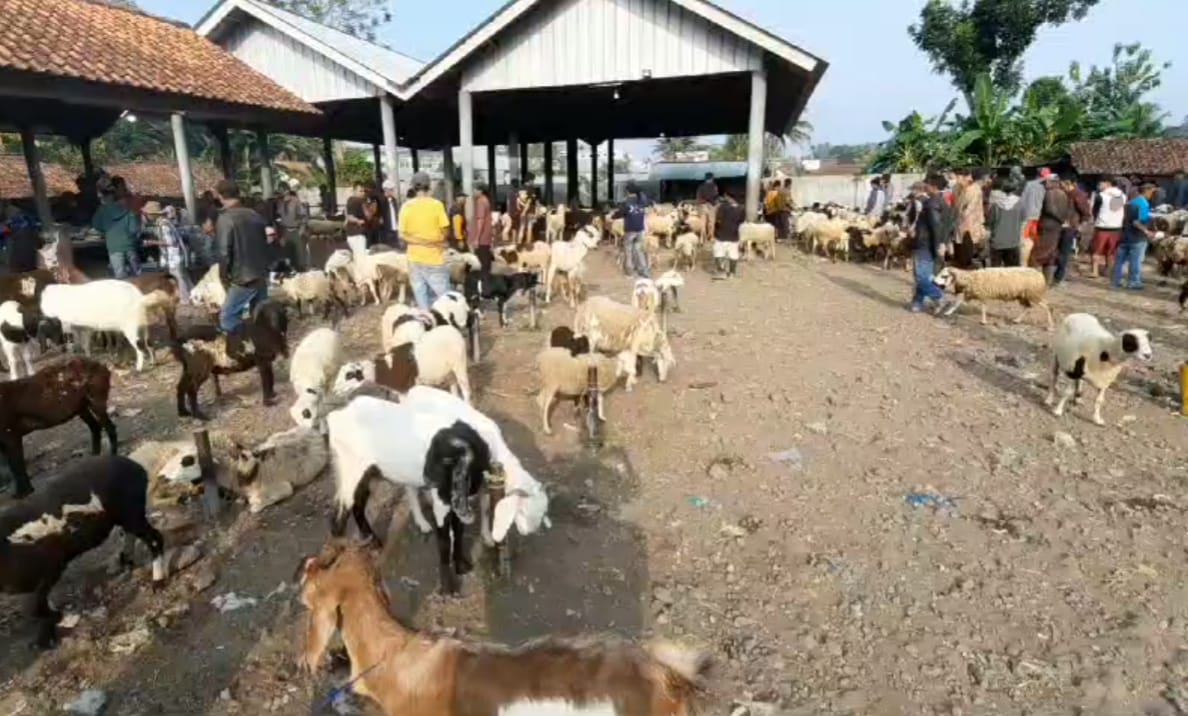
x: 691, y: 666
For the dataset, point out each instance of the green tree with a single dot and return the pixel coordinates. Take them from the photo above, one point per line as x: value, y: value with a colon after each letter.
x: 992, y: 36
x: 667, y: 148
x: 1113, y: 96
x: 990, y: 132
x: 361, y: 18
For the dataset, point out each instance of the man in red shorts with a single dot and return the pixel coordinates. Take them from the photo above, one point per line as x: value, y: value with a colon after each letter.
x: 1109, y: 211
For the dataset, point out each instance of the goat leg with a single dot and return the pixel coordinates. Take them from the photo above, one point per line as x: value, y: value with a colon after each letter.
x: 87, y: 417
x: 462, y: 563
x: 47, y: 618
x: 12, y: 446
x: 267, y: 381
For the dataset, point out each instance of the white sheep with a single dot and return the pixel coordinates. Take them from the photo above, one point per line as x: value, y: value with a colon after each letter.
x: 668, y: 283
x: 555, y: 224
x: 614, y: 327
x: 536, y: 259
x: 105, y: 305
x: 451, y: 309
x: 831, y: 236
x: 645, y: 295
x: 209, y: 291
x: 310, y: 287
x: 685, y: 250
x: 565, y: 375
x: 313, y: 367
x: 661, y: 224
x: 380, y: 273
x: 460, y: 264
x: 757, y: 235
x: 390, y: 322
x: 1016, y: 283
x: 361, y: 445
x: 1085, y: 350
x: 567, y: 256
x: 437, y: 358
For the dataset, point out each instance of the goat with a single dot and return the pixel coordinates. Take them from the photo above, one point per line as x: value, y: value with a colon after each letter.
x: 19, y: 325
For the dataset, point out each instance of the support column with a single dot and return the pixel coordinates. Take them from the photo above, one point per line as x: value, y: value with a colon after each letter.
x: 416, y: 160
x: 391, y: 146
x: 466, y: 146
x: 594, y: 174
x: 571, y: 172
x: 182, y: 149
x: 265, y: 164
x: 331, y: 176
x: 755, y: 142
x: 84, y: 147
x: 610, y: 171
x: 513, y: 158
x: 492, y: 174
x: 447, y: 170
x: 377, y: 159
x: 36, y: 178
x: 523, y: 163
x: 223, y: 140
x: 548, y: 172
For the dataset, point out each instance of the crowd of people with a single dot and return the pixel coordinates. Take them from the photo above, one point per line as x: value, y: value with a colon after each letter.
x: 1039, y: 223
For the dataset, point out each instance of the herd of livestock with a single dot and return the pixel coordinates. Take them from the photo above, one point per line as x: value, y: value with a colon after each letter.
x: 414, y: 385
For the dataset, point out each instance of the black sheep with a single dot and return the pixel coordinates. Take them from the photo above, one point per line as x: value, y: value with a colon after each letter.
x: 455, y: 468
x: 563, y: 337
x: 500, y: 287
x: 74, y: 513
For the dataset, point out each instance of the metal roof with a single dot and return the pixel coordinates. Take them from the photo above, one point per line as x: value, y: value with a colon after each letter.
x: 696, y: 171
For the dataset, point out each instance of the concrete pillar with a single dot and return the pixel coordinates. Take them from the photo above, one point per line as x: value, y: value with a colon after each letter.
x: 513, y: 158
x: 594, y: 174
x: 416, y: 160
x: 182, y: 149
x: 755, y: 142
x: 548, y: 172
x: 84, y: 147
x: 391, y: 146
x: 223, y: 140
x: 36, y: 178
x: 610, y: 170
x: 466, y: 146
x: 447, y: 171
x: 265, y: 164
x: 377, y: 159
x: 492, y: 173
x: 523, y: 163
x: 331, y: 174
x: 571, y: 172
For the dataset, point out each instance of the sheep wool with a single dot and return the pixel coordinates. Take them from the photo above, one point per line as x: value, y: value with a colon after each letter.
x: 315, y: 361
x: 758, y: 235
x: 209, y: 291
x: 563, y: 374
x: 1020, y: 284
x: 273, y: 470
x: 1085, y: 350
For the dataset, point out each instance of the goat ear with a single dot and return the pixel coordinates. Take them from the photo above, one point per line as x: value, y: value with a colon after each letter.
x: 505, y: 516
x: 320, y: 627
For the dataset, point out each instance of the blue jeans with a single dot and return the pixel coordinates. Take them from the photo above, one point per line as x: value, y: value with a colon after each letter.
x: 634, y: 255
x: 925, y: 287
x: 1130, y: 255
x: 239, y: 299
x: 429, y: 283
x: 124, y: 263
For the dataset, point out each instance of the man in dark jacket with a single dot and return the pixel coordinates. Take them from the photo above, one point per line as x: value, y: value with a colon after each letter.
x: 927, y: 213
x: 730, y: 217
x: 244, y: 256
x: 632, y: 212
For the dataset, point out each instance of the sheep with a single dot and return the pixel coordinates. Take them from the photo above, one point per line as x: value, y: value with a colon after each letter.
x: 830, y: 236
x: 74, y: 514
x: 436, y: 358
x: 203, y: 353
x: 263, y: 475
x: 461, y: 264
x: 1170, y: 252
x: 107, y: 305
x: 685, y: 251
x: 451, y: 309
x: 209, y: 291
x: 501, y: 288
x: 1025, y: 285
x: 668, y: 283
x: 361, y: 448
x: 535, y: 260
x: 645, y: 296
x: 394, y: 331
x: 54, y: 395
x: 614, y: 327
x: 161, y: 296
x: 1085, y: 350
x: 313, y: 367
x: 761, y: 236
x: 563, y: 337
x: 889, y: 239
x: 567, y: 257
x: 805, y: 224
x: 566, y: 375
x: 406, y: 672
x: 18, y: 327
x: 555, y: 224
x: 660, y: 225
x: 379, y: 273
x: 311, y: 287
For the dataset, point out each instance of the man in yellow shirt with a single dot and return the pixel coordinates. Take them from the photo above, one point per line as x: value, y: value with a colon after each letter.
x: 424, y: 227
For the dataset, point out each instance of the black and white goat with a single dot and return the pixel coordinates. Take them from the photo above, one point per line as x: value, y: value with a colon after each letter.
x: 501, y: 288
x: 19, y: 326
x: 73, y: 514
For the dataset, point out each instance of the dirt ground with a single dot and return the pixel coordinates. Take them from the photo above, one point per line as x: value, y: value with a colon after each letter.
x: 856, y: 509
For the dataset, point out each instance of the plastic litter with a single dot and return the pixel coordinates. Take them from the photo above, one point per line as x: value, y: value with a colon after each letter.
x: 231, y: 601
x: 930, y: 499
x: 88, y: 703
x: 792, y: 457
x: 699, y: 502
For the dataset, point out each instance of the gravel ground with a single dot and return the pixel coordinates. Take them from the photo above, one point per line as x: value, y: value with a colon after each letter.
x: 858, y: 510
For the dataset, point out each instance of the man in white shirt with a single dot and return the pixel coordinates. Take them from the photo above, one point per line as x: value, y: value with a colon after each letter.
x: 1109, y: 212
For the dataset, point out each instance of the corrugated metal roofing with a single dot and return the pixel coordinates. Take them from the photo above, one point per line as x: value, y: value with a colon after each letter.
x: 690, y: 171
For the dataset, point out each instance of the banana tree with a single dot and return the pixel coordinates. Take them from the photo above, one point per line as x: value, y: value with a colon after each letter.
x: 990, y: 131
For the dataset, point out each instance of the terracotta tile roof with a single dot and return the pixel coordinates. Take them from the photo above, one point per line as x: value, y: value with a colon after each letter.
x: 1145, y: 157
x: 147, y: 178
x: 93, y: 41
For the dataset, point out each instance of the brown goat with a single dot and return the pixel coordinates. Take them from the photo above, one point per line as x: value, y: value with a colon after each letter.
x: 52, y: 396
x: 413, y: 674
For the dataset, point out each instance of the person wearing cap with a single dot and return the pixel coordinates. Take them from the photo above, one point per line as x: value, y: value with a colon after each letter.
x: 244, y: 256
x: 292, y: 216
x: 631, y: 211
x: 174, y: 253
x: 120, y: 226
x: 424, y: 226
x: 1136, y: 233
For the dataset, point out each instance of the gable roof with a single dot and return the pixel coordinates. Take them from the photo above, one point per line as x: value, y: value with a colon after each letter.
x: 97, y: 42
x: 480, y: 35
x: 379, y: 65
x: 1144, y: 157
x: 149, y: 178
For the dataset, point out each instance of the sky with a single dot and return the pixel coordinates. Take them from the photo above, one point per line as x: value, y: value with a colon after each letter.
x: 875, y: 72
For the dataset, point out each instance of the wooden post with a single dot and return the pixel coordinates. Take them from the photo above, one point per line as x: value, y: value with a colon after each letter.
x: 496, y: 486
x: 472, y: 327
x: 664, y: 311
x: 36, y: 177
x: 593, y: 401
x: 210, y: 484
x: 532, y: 308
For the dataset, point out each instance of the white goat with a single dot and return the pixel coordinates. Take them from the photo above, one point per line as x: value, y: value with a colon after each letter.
x: 106, y: 305
x: 567, y: 256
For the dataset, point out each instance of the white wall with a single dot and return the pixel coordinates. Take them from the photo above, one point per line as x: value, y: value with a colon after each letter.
x: 807, y: 190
